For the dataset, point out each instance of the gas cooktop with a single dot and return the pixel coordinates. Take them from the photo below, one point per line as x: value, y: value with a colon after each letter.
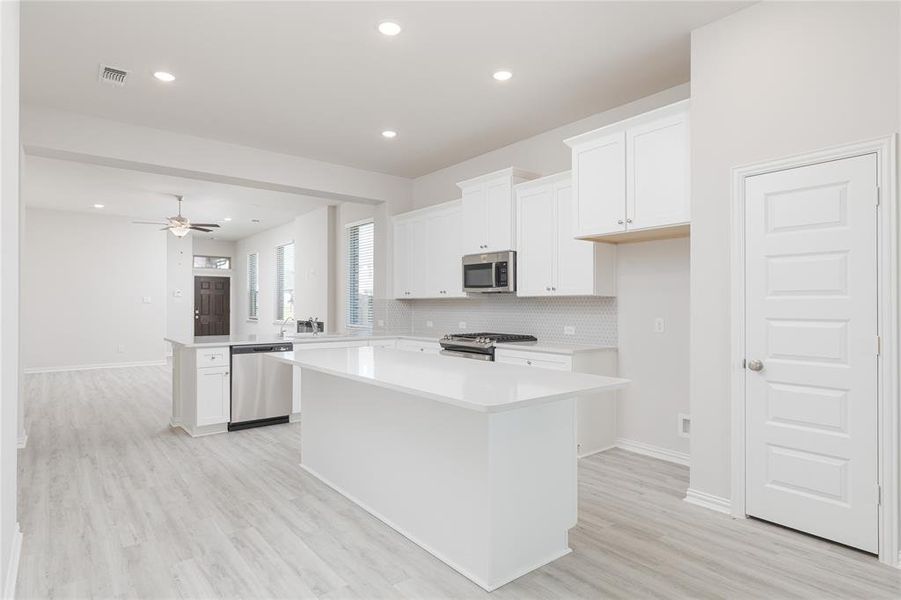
x: 497, y: 338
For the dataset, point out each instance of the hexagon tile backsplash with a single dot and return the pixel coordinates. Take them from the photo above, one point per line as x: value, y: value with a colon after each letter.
x: 592, y: 319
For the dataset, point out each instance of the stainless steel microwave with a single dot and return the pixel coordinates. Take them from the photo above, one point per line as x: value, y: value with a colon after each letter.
x: 492, y: 272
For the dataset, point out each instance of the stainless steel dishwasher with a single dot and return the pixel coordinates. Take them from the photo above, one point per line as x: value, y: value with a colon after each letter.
x: 261, y: 387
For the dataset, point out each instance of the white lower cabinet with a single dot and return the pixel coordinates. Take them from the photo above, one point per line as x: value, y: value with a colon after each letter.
x: 550, y: 261
x: 595, y: 413
x: 213, y: 395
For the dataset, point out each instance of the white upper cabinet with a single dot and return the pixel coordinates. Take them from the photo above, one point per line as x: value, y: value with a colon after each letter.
x: 631, y: 179
x: 428, y: 252
x: 488, y: 211
x: 550, y: 261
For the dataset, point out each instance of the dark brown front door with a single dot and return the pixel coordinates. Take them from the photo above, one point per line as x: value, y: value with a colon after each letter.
x: 211, y: 310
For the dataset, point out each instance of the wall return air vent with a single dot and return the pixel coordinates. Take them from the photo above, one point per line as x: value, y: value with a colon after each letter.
x: 113, y: 75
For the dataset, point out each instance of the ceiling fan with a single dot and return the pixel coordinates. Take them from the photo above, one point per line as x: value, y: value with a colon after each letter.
x: 180, y: 226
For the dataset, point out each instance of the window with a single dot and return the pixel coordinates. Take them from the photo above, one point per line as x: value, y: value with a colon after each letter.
x: 359, y: 274
x: 253, y: 286
x: 212, y: 262
x: 284, y: 281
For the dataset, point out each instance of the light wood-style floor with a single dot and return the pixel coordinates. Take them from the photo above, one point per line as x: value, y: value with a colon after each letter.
x: 114, y: 503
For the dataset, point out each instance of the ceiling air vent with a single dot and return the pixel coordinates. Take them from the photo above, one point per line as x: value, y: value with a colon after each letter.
x: 112, y: 75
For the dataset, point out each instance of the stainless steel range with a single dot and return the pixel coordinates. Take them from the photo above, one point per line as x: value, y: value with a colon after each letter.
x: 479, y: 346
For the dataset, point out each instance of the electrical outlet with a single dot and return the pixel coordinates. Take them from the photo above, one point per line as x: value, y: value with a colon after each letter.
x: 429, y: 324
x: 569, y: 330
x: 380, y: 323
x: 120, y: 348
x: 146, y: 299
x: 462, y: 325
x: 658, y: 325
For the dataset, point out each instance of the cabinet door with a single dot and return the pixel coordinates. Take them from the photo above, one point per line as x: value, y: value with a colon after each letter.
x: 474, y: 220
x: 402, y: 247
x: 535, y: 241
x: 599, y: 180
x: 436, y: 256
x: 418, y: 263
x: 575, y: 258
x: 450, y: 235
x: 499, y: 215
x: 658, y: 173
x: 213, y: 396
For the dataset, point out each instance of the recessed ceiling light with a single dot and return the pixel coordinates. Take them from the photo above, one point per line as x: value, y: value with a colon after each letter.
x: 254, y: 220
x: 164, y: 76
x: 502, y: 75
x: 389, y: 134
x: 227, y: 219
x: 389, y: 28
x: 99, y: 206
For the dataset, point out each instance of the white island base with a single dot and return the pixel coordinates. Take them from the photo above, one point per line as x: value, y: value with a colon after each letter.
x: 492, y: 494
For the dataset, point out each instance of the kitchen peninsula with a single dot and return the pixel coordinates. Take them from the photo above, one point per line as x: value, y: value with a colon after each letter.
x: 474, y: 461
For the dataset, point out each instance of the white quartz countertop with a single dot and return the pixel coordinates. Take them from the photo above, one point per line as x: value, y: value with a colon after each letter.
x: 472, y: 384
x: 207, y: 341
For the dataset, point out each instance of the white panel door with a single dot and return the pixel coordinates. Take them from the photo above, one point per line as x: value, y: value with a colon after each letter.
x: 811, y: 321
x: 575, y: 258
x: 536, y: 254
x: 599, y: 177
x: 475, y: 235
x: 499, y: 215
x: 658, y: 173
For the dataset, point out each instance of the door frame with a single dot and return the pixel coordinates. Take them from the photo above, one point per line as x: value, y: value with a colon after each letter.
x: 887, y: 315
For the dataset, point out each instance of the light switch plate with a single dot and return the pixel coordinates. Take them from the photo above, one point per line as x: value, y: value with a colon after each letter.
x: 569, y: 330
x: 462, y: 325
x: 658, y: 325
x: 381, y: 323
x: 177, y: 293
x: 146, y: 299
x: 429, y: 324
x: 120, y: 348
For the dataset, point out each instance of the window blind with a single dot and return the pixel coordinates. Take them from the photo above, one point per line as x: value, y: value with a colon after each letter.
x: 253, y: 286
x: 360, y: 274
x: 284, y: 281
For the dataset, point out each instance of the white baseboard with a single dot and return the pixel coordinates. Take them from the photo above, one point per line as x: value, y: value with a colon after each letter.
x: 709, y: 501
x: 12, y: 569
x: 22, y: 441
x: 666, y: 454
x: 141, y: 363
x: 598, y: 451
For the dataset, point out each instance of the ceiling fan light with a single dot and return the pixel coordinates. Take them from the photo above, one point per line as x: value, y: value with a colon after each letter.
x: 180, y: 231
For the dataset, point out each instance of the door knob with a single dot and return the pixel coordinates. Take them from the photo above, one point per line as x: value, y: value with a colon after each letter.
x: 196, y: 316
x: 755, y: 365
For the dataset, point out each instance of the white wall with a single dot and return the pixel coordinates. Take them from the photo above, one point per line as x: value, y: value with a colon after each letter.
x: 264, y: 244
x: 179, y: 288
x: 10, y: 538
x: 772, y: 80
x: 653, y: 282
x: 84, y: 281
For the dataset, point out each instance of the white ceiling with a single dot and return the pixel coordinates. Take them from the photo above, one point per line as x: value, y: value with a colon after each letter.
x: 318, y: 80
x: 72, y: 186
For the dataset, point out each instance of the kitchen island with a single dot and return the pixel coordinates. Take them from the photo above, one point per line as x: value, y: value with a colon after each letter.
x: 473, y: 461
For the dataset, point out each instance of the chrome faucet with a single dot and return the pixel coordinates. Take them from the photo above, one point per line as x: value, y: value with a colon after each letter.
x: 281, y: 333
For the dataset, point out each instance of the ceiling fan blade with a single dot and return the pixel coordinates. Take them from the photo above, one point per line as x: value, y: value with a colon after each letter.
x: 205, y: 224
x: 165, y: 229
x: 194, y: 227
x: 150, y: 222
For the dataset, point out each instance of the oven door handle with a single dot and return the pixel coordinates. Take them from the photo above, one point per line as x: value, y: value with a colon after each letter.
x: 472, y: 355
